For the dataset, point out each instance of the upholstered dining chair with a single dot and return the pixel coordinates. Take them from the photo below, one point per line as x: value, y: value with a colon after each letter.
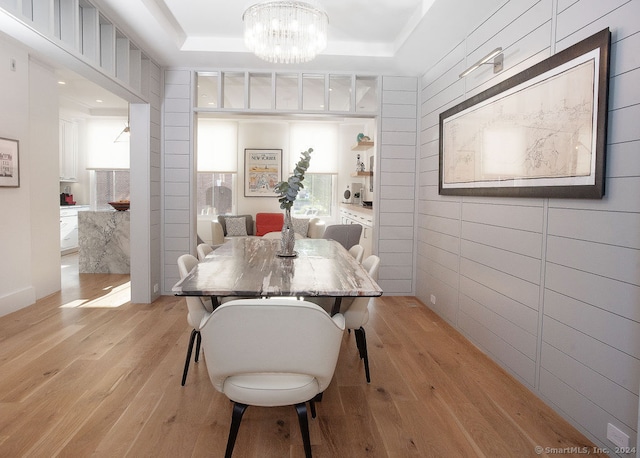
x: 203, y: 250
x: 356, y: 313
x: 270, y: 353
x: 345, y: 234
x: 357, y: 251
x: 198, y: 308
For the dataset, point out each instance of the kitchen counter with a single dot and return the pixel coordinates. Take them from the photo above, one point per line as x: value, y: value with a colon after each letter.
x: 355, y: 208
x: 357, y: 214
x: 104, y: 241
x: 69, y: 227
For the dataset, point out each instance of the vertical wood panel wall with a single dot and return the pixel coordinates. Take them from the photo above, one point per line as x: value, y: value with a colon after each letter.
x: 549, y: 288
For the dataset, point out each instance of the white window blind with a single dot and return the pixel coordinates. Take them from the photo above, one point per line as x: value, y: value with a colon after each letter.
x: 323, y: 138
x: 102, y: 152
x: 217, y: 146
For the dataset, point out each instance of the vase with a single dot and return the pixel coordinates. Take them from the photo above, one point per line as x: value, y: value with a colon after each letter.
x: 288, y: 240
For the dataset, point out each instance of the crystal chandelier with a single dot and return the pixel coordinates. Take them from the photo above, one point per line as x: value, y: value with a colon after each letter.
x: 286, y: 31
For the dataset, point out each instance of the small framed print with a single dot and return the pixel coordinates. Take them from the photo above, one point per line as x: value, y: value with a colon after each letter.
x: 262, y: 172
x: 9, y: 163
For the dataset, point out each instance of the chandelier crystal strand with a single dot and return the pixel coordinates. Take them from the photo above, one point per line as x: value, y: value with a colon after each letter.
x: 285, y: 31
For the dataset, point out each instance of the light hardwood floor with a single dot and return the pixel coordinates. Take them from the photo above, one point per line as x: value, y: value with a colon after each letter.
x: 85, y: 372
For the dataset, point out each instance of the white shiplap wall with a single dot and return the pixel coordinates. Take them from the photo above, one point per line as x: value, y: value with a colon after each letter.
x: 179, y: 231
x: 397, y: 175
x: 146, y: 267
x: 549, y: 288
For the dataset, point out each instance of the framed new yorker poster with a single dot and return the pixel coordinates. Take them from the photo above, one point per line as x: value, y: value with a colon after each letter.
x: 540, y: 133
x: 9, y: 163
x: 262, y: 172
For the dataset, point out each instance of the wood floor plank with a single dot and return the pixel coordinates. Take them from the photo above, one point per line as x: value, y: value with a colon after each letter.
x: 85, y: 372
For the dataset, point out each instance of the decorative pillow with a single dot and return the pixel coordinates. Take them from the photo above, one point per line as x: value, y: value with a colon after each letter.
x: 236, y: 226
x: 268, y: 222
x: 300, y: 226
x: 248, y: 220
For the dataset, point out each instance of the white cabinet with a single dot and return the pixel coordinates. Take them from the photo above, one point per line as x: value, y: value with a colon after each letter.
x: 350, y: 214
x: 69, y: 228
x: 68, y: 150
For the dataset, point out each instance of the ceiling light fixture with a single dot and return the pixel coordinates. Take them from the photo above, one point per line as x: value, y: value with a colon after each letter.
x: 497, y: 62
x: 286, y: 31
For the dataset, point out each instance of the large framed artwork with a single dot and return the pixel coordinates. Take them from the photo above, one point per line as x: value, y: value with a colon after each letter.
x: 262, y: 172
x: 540, y: 133
x: 9, y: 163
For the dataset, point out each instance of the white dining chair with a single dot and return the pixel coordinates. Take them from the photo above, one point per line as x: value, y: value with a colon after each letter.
x: 198, y: 308
x: 270, y: 353
x: 203, y: 249
x: 356, y: 313
x: 357, y: 251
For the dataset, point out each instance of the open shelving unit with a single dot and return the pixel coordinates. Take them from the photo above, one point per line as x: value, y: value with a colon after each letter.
x: 362, y: 146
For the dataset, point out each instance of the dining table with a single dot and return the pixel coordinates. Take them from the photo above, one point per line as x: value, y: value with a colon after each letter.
x: 252, y: 267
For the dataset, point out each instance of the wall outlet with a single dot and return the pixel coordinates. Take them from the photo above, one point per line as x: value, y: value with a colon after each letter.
x: 433, y: 299
x: 616, y: 436
x: 155, y: 288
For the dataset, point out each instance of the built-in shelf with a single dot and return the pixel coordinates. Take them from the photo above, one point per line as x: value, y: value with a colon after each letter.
x: 361, y: 146
x: 362, y: 174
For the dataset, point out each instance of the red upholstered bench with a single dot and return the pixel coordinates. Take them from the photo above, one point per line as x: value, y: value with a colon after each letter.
x: 268, y: 222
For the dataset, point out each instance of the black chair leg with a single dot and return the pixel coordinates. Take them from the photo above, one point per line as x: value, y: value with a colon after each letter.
x: 359, y: 343
x: 236, y: 417
x: 198, y: 342
x: 361, y: 339
x: 189, y: 350
x: 312, y: 406
x: 304, y: 428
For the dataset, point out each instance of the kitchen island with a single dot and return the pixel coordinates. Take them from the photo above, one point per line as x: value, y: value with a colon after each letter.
x: 103, y: 238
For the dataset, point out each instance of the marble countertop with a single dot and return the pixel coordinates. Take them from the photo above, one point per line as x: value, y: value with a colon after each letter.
x: 103, y: 237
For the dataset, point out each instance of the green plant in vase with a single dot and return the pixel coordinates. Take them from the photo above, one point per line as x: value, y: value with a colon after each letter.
x: 287, y: 193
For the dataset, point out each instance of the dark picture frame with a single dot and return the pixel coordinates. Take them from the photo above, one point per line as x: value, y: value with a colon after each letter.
x: 9, y: 163
x: 540, y: 133
x: 262, y: 171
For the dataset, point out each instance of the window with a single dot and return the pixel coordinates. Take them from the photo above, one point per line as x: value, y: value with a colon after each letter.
x: 316, y: 198
x: 207, y: 92
x: 110, y: 186
x: 215, y: 193
x: 340, y: 92
x: 217, y: 165
x: 366, y: 94
x: 260, y: 91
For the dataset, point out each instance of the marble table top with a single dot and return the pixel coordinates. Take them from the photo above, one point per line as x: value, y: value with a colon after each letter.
x: 248, y: 266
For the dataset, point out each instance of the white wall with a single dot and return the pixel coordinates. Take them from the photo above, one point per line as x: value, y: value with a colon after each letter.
x: 548, y: 288
x: 42, y: 179
x: 260, y: 135
x: 16, y: 286
x: 30, y: 242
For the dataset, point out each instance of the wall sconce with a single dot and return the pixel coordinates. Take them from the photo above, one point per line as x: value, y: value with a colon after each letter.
x: 497, y: 62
